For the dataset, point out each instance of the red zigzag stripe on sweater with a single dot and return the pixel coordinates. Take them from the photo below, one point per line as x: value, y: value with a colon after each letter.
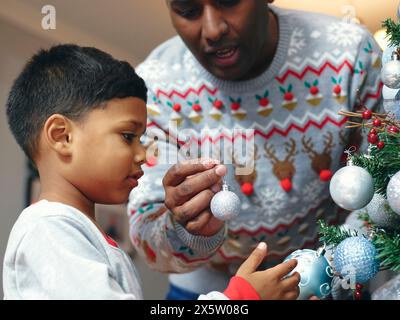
x: 282, y: 79
x: 301, y: 75
x: 185, y: 94
x: 260, y: 133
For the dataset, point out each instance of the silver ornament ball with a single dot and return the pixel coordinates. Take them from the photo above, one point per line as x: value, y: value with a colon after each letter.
x: 393, y: 193
x: 315, y: 273
x: 225, y: 205
x: 390, y: 74
x: 381, y: 214
x: 352, y: 187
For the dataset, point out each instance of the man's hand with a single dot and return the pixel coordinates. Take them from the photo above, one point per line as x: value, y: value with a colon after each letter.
x: 189, y: 187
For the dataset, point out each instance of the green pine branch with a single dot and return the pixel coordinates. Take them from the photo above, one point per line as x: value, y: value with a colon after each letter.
x: 387, y: 245
x: 382, y: 164
x: 393, y: 32
x: 333, y: 235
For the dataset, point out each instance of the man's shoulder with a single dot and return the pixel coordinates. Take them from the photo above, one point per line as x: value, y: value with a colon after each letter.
x: 319, y: 26
x: 170, y: 61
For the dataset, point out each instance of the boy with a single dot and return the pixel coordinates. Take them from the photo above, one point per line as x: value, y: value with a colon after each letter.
x: 78, y: 114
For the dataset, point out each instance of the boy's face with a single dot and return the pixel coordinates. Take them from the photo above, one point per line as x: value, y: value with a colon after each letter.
x: 228, y: 37
x: 107, y: 153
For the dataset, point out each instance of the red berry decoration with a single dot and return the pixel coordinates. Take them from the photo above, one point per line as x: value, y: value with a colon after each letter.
x: 393, y: 129
x: 264, y: 102
x: 314, y: 90
x: 372, y: 131
x: 373, y: 138
x: 218, y: 104
x: 247, y: 188
x: 367, y: 114
x: 177, y: 107
x: 197, y: 107
x: 288, y: 96
x: 377, y: 123
x: 337, y: 89
x: 380, y: 145
x: 235, y: 106
x: 357, y: 295
x: 359, y: 286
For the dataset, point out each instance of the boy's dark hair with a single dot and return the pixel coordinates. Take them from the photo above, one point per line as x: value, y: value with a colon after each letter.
x: 68, y: 80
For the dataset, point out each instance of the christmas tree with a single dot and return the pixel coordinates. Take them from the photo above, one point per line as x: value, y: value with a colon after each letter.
x: 374, y: 181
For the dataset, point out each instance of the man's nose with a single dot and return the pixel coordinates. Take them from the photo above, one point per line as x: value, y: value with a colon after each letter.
x: 214, y: 25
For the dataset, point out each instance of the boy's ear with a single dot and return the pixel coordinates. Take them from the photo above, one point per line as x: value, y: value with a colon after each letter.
x: 58, y: 134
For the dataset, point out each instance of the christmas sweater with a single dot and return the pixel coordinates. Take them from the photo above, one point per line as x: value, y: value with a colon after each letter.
x: 322, y: 65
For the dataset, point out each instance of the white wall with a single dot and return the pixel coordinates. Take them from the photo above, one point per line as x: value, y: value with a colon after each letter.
x: 15, y: 48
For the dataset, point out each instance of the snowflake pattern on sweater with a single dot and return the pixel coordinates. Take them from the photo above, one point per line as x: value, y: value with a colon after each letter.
x: 292, y: 109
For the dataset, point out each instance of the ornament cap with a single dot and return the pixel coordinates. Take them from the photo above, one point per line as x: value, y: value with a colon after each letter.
x: 395, y: 56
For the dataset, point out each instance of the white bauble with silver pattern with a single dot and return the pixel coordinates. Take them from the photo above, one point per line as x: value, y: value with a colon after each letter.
x: 225, y: 205
x: 390, y: 72
x: 393, y: 193
x: 381, y: 213
x: 352, y: 187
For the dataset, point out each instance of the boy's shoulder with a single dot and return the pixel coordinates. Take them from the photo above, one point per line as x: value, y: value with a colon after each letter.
x: 56, y: 219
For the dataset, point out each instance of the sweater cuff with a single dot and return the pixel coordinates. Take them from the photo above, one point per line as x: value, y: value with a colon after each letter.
x: 240, y: 289
x: 201, y: 244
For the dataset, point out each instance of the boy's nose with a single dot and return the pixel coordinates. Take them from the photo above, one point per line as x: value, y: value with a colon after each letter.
x: 140, y: 155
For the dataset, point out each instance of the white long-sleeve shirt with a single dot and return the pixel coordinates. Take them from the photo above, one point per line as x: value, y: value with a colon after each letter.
x: 56, y: 252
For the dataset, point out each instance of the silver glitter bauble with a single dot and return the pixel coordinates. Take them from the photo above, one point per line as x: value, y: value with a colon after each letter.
x: 352, y: 188
x: 315, y: 273
x: 393, y: 193
x: 387, y: 54
x: 225, y: 204
x: 390, y: 94
x: 381, y: 214
x: 390, y: 74
x: 391, y: 101
x: 354, y: 259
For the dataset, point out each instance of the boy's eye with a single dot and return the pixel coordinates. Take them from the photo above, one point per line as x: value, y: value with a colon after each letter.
x: 128, y: 137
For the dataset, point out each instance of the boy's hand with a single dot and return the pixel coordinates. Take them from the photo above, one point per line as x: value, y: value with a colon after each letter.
x: 269, y: 283
x: 189, y: 187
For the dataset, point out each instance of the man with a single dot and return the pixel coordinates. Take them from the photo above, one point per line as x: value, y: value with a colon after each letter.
x: 283, y: 75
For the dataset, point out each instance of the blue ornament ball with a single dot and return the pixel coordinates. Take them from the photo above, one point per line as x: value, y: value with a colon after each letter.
x: 315, y: 273
x: 354, y: 259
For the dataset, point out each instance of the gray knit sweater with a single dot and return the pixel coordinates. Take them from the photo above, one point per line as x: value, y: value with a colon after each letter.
x: 291, y: 112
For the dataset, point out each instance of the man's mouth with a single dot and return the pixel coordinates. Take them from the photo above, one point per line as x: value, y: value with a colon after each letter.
x: 225, y: 57
x: 225, y: 53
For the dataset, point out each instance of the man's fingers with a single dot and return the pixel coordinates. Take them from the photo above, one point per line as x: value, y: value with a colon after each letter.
x: 202, y: 181
x: 178, y: 172
x: 284, y: 268
x: 253, y: 261
x: 193, y: 207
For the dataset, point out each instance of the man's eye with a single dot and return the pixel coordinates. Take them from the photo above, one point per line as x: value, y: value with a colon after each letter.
x: 228, y: 3
x: 187, y: 12
x: 128, y: 137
